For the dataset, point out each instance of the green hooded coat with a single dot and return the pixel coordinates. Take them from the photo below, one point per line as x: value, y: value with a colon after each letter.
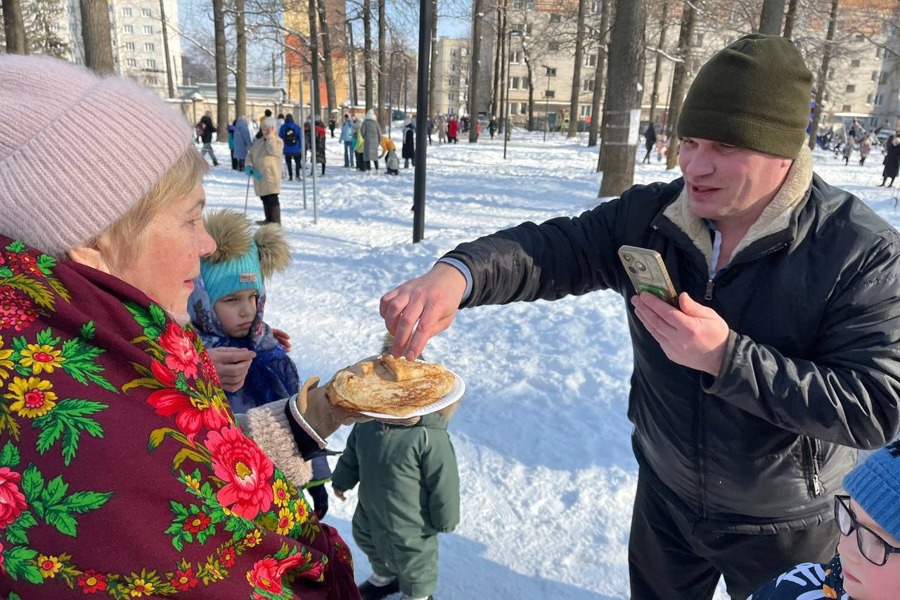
x: 408, y: 492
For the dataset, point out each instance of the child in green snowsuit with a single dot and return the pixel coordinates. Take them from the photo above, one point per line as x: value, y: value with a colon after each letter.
x: 408, y: 493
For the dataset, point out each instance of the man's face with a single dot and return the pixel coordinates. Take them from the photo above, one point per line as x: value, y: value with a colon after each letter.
x: 729, y: 185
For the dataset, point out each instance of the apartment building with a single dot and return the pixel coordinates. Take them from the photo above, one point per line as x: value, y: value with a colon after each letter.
x: 451, y: 76
x: 136, y: 32
x: 297, y: 72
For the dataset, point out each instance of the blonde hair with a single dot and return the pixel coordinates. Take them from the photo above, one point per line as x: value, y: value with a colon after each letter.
x: 123, y: 240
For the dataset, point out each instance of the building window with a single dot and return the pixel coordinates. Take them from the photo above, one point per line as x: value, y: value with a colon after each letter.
x: 453, y: 67
x: 128, y: 29
x: 587, y: 85
x: 553, y: 46
x: 131, y: 62
x: 147, y: 12
x: 527, y: 29
x: 595, y: 7
x: 549, y: 93
x: 556, y: 18
x: 585, y: 110
x: 148, y: 47
x: 846, y: 108
x: 884, y: 77
x: 463, y: 51
x: 452, y: 51
x: 129, y: 46
x: 854, y: 63
x: 879, y: 99
x: 698, y: 40
x: 874, y: 75
x: 148, y: 29
x: 515, y: 57
x: 551, y: 71
x: 150, y: 63
x: 523, y: 108
x: 879, y: 52
x: 850, y: 89
x: 869, y: 99
x: 126, y: 12
x: 590, y: 60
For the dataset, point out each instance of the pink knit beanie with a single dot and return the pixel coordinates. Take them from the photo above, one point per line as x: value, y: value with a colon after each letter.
x: 77, y: 150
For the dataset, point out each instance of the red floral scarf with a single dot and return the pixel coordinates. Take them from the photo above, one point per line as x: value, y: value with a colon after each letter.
x: 122, y: 472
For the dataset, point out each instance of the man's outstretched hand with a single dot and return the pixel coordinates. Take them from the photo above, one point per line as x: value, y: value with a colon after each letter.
x: 421, y: 308
x: 691, y: 335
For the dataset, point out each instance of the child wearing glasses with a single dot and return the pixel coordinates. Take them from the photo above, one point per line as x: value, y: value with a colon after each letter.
x: 867, y: 564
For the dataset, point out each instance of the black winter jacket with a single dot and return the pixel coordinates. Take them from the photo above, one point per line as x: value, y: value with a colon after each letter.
x: 811, y: 364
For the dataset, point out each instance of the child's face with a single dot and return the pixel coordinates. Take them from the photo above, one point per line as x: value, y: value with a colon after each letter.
x: 236, y: 312
x: 862, y: 579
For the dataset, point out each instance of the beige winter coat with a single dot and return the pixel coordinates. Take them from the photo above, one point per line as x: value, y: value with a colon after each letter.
x: 265, y: 157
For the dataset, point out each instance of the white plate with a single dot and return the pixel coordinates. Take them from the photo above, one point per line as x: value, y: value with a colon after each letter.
x: 455, y: 393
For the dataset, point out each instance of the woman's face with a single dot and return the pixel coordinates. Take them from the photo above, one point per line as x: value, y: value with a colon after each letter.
x: 169, y: 258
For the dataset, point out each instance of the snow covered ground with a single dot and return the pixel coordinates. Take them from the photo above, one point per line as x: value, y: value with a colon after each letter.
x: 542, y: 439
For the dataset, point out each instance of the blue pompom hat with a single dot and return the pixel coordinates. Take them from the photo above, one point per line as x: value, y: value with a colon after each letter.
x: 875, y: 486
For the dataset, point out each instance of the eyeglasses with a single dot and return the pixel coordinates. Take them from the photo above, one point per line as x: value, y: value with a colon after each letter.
x: 871, y: 545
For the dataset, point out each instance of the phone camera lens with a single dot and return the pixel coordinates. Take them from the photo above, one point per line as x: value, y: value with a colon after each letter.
x: 640, y: 266
x: 633, y: 270
x: 627, y: 257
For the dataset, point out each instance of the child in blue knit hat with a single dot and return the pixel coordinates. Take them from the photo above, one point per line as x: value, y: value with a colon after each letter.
x: 227, y: 307
x: 867, y: 563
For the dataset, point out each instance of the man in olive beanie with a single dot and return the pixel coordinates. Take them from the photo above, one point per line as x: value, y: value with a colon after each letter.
x: 749, y: 397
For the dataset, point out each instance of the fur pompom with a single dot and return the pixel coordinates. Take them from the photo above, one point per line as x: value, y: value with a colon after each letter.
x: 231, y: 231
x: 274, y: 251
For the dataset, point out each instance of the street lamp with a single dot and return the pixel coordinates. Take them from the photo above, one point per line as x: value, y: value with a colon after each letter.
x: 391, y: 89
x: 547, y: 102
x: 509, y: 35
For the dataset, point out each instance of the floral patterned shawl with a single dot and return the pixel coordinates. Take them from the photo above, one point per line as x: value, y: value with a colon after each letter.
x: 122, y: 472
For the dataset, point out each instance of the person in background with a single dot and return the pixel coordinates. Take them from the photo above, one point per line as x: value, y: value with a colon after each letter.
x: 150, y: 488
x: 492, y: 127
x: 865, y: 146
x: 429, y: 124
x: 442, y: 129
x: 227, y: 307
x: 867, y: 563
x: 408, y: 494
x: 409, y: 145
x: 320, y: 147
x: 332, y: 125
x: 370, y: 131
x: 389, y: 151
x: 348, y: 128
x: 452, y: 129
x: 649, y: 142
x: 266, y: 115
x: 243, y: 139
x: 264, y: 167
x: 234, y: 161
x: 751, y: 393
x: 292, y: 137
x: 891, y: 161
x: 207, y: 129
x: 279, y: 120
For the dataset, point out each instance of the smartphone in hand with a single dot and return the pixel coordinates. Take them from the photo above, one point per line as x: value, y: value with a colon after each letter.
x: 647, y: 273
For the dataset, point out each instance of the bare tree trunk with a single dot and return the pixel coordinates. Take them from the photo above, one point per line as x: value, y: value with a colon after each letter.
x: 14, y: 27
x: 496, y: 91
x: 504, y: 72
x: 822, y: 79
x: 679, y: 80
x: 617, y: 159
x: 367, y: 52
x: 354, y: 92
x: 432, y: 84
x: 98, y: 55
x: 599, y: 76
x: 475, y: 69
x: 240, y: 75
x: 326, y: 56
x: 221, y: 71
x: 170, y: 79
x: 654, y: 94
x: 382, y: 63
x: 771, y: 17
x: 789, y: 19
x: 576, y: 77
x: 530, y: 67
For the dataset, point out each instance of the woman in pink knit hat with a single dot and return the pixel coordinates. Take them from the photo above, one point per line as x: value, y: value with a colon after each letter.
x: 122, y: 471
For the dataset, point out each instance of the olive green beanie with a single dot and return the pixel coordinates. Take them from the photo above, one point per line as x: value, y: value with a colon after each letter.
x: 754, y: 94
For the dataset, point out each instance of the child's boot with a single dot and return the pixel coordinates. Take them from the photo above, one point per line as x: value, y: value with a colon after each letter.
x: 377, y: 587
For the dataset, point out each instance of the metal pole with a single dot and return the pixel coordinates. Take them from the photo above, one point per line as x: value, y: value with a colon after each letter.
x: 506, y: 104
x: 547, y: 102
x: 391, y: 93
x: 425, y: 18
x: 302, y: 148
